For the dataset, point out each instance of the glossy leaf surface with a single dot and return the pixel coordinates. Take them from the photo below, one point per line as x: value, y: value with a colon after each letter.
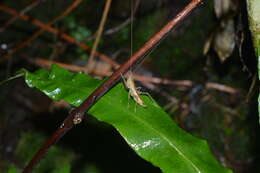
x: 148, y: 130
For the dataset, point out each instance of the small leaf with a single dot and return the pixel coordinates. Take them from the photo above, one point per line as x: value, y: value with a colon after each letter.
x: 149, y: 131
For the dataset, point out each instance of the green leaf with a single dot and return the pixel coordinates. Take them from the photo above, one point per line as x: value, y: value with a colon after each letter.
x: 63, y: 169
x: 148, y: 130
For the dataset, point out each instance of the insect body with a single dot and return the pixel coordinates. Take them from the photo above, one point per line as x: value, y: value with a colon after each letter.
x: 133, y: 91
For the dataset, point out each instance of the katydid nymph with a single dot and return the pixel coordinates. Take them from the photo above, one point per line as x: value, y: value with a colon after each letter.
x: 129, y: 82
x: 133, y: 91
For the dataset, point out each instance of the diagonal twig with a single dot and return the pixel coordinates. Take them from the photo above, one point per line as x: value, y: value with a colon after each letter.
x: 40, y: 31
x: 44, y: 63
x: 25, y: 10
x: 56, y: 32
x: 90, y: 64
x: 119, y: 27
x: 78, y: 113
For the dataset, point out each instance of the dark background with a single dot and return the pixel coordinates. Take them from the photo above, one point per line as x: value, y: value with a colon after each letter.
x: 228, y: 121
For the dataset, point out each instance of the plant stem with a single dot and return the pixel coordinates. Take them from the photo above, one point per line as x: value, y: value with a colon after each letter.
x: 40, y: 31
x: 79, y: 112
x: 56, y: 32
x: 91, y: 62
x: 25, y: 10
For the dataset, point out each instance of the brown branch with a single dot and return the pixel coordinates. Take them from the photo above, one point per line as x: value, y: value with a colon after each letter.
x: 222, y: 88
x: 91, y: 64
x: 58, y: 33
x: 78, y: 113
x: 25, y: 10
x: 146, y: 81
x: 44, y: 63
x: 111, y: 30
x: 40, y: 31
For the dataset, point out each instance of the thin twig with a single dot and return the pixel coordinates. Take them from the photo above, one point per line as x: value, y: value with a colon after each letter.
x: 78, y: 113
x: 44, y: 63
x: 25, y: 10
x: 91, y: 63
x: 111, y: 30
x: 116, y: 28
x: 40, y: 31
x: 58, y: 33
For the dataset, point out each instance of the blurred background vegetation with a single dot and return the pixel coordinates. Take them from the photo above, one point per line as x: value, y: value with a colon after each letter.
x: 209, y: 60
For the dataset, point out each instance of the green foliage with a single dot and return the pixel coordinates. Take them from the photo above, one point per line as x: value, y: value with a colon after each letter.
x: 149, y: 131
x: 12, y: 169
x: 58, y: 160
x: 123, y: 35
x: 63, y: 169
x: 147, y: 26
x: 80, y: 33
x: 77, y: 31
x: 91, y: 168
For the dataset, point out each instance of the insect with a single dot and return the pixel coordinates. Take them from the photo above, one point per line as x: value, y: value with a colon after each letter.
x: 129, y: 82
x: 133, y: 91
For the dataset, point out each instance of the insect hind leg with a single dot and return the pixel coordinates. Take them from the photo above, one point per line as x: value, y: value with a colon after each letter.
x: 148, y: 95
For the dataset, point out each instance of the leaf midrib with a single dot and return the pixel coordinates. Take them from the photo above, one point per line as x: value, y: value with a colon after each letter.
x: 150, y: 127
x: 160, y: 134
